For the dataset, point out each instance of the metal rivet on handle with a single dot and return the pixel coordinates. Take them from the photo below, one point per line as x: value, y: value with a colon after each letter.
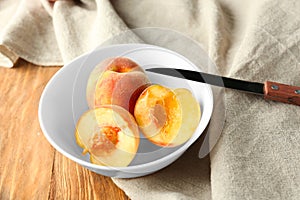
x: 274, y: 87
x: 297, y: 91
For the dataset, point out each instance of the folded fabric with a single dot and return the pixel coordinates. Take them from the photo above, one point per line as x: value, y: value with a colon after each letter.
x: 258, y: 153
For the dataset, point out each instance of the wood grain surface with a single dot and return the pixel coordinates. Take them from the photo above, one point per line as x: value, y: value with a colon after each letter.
x: 30, y: 168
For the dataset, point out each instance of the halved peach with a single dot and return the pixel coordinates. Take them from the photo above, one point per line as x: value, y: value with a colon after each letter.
x: 116, y: 81
x: 167, y: 117
x: 110, y: 134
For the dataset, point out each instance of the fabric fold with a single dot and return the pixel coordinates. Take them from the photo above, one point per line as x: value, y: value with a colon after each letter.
x: 257, y: 155
x: 29, y: 34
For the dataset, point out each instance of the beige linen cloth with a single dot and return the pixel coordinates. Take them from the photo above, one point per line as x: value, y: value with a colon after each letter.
x: 258, y: 153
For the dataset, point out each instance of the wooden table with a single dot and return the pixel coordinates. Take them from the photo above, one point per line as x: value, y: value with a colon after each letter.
x: 30, y: 168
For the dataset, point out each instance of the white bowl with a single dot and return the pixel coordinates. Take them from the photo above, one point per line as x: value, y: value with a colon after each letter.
x: 63, y: 101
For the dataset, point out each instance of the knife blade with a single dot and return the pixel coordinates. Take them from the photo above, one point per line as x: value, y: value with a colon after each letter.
x: 269, y: 90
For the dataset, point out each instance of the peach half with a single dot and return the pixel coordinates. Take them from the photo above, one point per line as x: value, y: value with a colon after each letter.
x: 117, y: 81
x: 110, y: 134
x: 167, y: 117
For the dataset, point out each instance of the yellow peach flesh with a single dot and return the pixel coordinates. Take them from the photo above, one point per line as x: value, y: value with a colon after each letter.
x: 158, y: 114
x: 110, y: 134
x: 167, y: 117
x: 191, y: 115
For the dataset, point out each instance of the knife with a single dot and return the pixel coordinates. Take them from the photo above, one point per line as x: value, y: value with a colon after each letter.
x: 269, y: 90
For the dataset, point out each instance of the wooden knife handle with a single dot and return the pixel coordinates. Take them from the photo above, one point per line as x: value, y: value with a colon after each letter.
x: 281, y: 92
